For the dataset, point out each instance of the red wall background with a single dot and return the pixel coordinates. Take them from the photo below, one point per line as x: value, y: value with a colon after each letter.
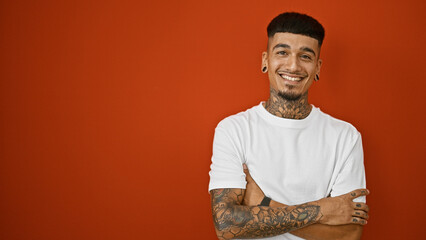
x: 108, y: 109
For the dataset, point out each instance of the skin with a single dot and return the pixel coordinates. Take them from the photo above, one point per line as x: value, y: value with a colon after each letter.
x: 254, y: 196
x: 292, y: 61
x: 295, y: 56
x: 232, y: 219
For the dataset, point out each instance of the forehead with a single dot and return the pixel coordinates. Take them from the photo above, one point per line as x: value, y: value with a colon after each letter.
x: 295, y: 41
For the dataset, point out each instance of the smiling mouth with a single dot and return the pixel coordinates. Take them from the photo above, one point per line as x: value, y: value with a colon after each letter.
x: 293, y: 79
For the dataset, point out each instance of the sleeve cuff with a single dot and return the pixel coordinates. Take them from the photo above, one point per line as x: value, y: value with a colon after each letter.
x: 227, y: 184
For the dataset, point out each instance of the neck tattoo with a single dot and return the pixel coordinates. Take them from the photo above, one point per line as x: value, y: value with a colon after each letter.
x: 281, y: 107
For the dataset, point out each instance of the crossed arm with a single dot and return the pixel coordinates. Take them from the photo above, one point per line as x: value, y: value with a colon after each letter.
x: 319, y: 231
x: 234, y: 220
x: 254, y: 195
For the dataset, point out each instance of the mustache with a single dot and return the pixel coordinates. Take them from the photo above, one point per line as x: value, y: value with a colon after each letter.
x: 299, y: 74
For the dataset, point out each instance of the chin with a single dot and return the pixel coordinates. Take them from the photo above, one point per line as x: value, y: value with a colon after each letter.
x: 291, y: 96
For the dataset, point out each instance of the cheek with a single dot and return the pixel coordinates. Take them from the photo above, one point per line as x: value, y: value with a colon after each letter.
x: 311, y: 68
x: 274, y: 63
x: 272, y: 80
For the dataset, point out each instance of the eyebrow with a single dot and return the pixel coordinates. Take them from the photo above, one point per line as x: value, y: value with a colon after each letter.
x: 306, y: 49
x: 281, y: 45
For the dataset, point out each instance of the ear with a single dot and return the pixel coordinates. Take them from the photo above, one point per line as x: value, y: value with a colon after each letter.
x: 264, y: 60
x: 319, y: 64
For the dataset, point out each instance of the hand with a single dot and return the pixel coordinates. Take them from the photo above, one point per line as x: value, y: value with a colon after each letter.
x: 342, y: 210
x: 254, y: 195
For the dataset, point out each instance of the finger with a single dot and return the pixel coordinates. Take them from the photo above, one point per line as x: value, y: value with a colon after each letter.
x: 358, y: 193
x: 360, y: 214
x: 358, y: 221
x: 246, y: 171
x: 361, y: 206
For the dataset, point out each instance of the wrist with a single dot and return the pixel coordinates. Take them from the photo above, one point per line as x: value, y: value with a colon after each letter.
x: 319, y: 215
x: 265, y: 202
x: 277, y: 204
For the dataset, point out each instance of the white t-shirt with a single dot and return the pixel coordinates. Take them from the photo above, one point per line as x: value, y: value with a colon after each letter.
x: 292, y: 161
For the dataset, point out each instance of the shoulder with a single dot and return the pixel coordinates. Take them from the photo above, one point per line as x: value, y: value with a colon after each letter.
x: 338, y: 126
x: 237, y: 121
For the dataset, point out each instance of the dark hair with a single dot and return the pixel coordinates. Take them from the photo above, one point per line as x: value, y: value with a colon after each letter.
x: 296, y: 23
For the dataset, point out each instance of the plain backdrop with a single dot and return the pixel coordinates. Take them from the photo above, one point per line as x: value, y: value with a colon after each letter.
x: 108, y: 109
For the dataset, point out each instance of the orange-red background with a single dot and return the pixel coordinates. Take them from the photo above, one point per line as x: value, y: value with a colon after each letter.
x: 108, y: 109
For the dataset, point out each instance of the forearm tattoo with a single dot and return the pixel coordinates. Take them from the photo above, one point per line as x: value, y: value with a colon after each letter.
x: 232, y: 220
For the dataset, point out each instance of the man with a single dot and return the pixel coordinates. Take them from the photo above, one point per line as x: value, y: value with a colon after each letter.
x: 308, y: 162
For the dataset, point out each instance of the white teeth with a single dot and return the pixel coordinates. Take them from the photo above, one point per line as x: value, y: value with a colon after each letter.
x: 290, y: 78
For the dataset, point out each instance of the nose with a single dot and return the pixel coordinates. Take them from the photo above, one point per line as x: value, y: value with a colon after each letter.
x: 292, y: 64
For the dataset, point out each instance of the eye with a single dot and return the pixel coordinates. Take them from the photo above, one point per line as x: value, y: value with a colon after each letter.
x: 282, y: 53
x: 306, y: 57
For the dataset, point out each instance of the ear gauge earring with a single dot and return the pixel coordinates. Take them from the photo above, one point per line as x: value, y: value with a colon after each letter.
x: 316, y: 77
x: 264, y: 69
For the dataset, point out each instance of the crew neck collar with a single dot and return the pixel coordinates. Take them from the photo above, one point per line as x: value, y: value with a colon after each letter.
x: 286, y: 122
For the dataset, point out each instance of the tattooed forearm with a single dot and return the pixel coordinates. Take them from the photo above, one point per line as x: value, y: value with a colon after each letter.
x: 233, y: 220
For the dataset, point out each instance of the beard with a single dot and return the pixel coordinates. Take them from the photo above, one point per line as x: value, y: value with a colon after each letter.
x: 289, y: 95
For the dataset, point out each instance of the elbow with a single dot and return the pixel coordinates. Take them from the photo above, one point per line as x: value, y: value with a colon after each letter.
x: 225, y: 235
x: 228, y: 227
x: 222, y: 235
x: 223, y: 230
x: 229, y: 221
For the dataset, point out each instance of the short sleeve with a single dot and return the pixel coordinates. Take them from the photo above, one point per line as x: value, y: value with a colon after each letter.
x: 226, y: 170
x: 352, y: 173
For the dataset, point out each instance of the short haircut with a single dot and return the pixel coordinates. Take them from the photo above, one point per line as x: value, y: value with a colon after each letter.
x: 296, y: 23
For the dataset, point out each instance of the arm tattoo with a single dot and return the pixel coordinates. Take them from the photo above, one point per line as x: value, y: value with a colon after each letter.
x: 233, y: 220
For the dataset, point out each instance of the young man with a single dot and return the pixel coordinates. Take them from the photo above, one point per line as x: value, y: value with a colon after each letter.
x: 308, y: 162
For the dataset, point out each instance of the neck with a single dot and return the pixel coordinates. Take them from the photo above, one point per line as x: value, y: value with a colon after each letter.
x: 281, y: 107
